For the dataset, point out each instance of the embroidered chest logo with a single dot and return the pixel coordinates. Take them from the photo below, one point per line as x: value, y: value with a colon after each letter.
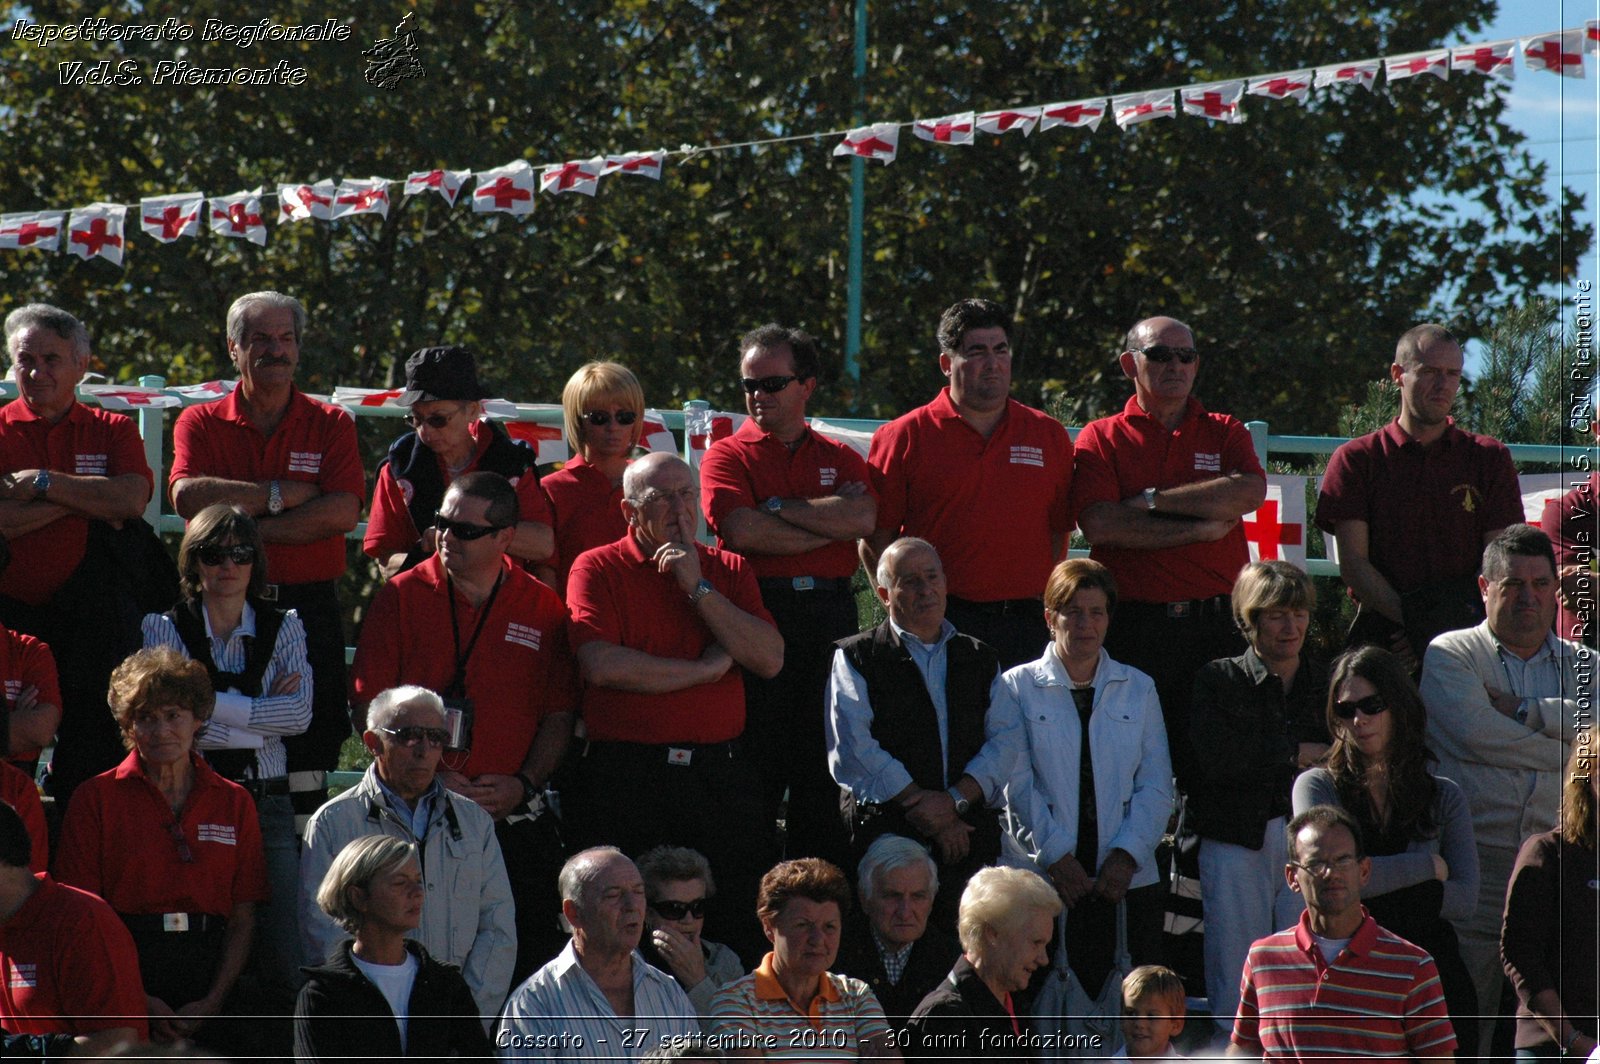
x: 1024, y: 455
x: 1471, y: 497
x: 523, y: 635
x: 13, y: 690
x: 1207, y: 463
x: 23, y: 977
x: 226, y: 834
x: 90, y: 465
x: 305, y: 462
x: 406, y: 490
x: 827, y: 474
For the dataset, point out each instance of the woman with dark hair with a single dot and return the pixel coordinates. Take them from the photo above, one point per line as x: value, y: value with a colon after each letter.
x: 1417, y: 826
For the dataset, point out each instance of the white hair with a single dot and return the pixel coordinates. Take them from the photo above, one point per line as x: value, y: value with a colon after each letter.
x: 888, y: 853
x: 386, y: 708
x: 893, y: 552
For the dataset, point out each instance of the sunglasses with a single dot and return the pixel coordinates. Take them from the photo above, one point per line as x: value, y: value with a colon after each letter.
x: 413, y: 734
x: 677, y: 910
x: 1371, y: 705
x: 770, y: 385
x: 1162, y: 354
x: 600, y: 419
x: 1323, y: 869
x: 463, y: 530
x: 239, y: 554
x: 433, y: 421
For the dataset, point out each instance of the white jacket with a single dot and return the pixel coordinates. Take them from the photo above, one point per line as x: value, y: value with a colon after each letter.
x: 1132, y: 769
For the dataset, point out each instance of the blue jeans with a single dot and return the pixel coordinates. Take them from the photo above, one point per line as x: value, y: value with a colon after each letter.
x: 275, y: 947
x: 1245, y: 898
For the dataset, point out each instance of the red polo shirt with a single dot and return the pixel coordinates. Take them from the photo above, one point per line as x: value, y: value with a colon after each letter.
x: 618, y: 596
x: 86, y: 442
x: 752, y: 466
x: 68, y: 966
x: 1426, y: 508
x: 588, y: 513
x: 990, y: 506
x: 520, y: 669
x: 315, y: 443
x: 27, y: 662
x: 18, y: 791
x: 1124, y: 454
x: 1573, y: 528
x: 117, y: 843
x: 390, y: 529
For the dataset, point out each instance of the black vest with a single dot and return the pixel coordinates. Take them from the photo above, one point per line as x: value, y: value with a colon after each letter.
x: 191, y: 625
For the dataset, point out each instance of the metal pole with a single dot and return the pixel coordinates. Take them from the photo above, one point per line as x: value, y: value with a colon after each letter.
x: 858, y: 210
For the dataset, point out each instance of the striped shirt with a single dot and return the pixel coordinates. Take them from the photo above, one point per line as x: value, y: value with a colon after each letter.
x: 240, y: 722
x: 1379, y: 998
x: 560, y: 1013
x: 755, y: 1012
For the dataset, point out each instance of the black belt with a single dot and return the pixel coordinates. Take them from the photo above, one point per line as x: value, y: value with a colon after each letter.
x: 684, y: 754
x: 172, y: 923
x: 305, y: 592
x: 1031, y: 607
x: 836, y: 585
x: 266, y: 788
x: 1190, y: 609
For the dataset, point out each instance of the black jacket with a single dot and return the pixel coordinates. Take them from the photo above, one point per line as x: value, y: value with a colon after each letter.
x: 962, y: 1020
x: 342, y: 1016
x: 931, y: 958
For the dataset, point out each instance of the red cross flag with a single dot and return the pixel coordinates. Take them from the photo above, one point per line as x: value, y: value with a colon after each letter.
x: 1138, y: 107
x: 656, y: 435
x: 879, y: 142
x: 638, y: 163
x: 1364, y: 73
x: 32, y: 229
x: 1559, y: 53
x: 547, y: 439
x: 860, y: 441
x: 578, y: 176
x: 1218, y: 101
x: 169, y: 217
x: 208, y: 390
x: 361, y: 196
x: 1020, y: 119
x: 446, y: 183
x: 1277, y: 530
x: 296, y: 203
x: 1410, y: 65
x: 506, y: 188
x: 1591, y: 36
x: 238, y: 216
x: 1293, y: 85
x: 97, y: 230
x: 951, y: 129
x: 130, y: 397
x: 1491, y: 60
x: 1076, y: 113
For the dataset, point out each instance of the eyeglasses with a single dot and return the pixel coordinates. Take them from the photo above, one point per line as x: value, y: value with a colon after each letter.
x: 770, y: 385
x: 677, y: 910
x: 1323, y: 869
x: 687, y: 496
x: 1371, y: 705
x: 433, y: 421
x: 239, y: 554
x: 1163, y: 353
x: 184, y: 853
x: 411, y: 735
x: 464, y: 530
x: 600, y: 419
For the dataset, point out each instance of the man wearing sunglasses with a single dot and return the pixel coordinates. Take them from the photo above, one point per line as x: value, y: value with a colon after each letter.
x: 793, y: 502
x: 970, y: 469
x: 1159, y: 492
x: 466, y: 903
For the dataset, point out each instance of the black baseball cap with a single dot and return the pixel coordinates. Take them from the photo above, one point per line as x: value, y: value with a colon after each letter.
x: 441, y: 373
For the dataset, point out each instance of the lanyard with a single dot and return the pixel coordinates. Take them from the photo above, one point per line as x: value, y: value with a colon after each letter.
x: 459, y: 680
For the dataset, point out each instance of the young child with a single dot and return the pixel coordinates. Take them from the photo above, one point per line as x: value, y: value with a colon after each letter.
x: 1152, y: 1013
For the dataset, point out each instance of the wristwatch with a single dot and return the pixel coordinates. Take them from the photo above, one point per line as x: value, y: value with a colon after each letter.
x: 41, y: 483
x: 963, y: 803
x: 1149, y: 498
x: 773, y: 505
x: 274, y: 498
x: 701, y: 590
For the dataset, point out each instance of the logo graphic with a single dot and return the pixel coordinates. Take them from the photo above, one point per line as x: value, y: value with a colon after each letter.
x: 394, y: 59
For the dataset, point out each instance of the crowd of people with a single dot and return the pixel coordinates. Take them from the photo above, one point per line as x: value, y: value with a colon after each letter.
x: 633, y: 795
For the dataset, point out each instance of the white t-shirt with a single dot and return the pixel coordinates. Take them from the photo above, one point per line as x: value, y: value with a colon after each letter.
x: 394, y: 983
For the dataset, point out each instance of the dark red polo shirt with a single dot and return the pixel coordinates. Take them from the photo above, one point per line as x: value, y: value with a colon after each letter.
x: 117, y: 843
x: 587, y: 512
x: 618, y: 596
x: 1574, y: 530
x: 27, y: 662
x: 752, y: 466
x: 990, y: 506
x: 315, y: 443
x: 390, y: 529
x: 1426, y: 508
x: 68, y: 966
x: 519, y: 671
x: 1121, y: 455
x: 17, y: 790
x: 86, y: 442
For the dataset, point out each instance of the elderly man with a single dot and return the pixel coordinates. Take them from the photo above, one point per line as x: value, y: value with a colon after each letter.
x: 944, y: 471
x: 474, y: 626
x: 1336, y: 985
x: 658, y: 623
x: 1159, y: 493
x: 467, y: 912
x: 599, y: 1000
x: 1413, y: 504
x: 892, y: 949
x: 794, y: 503
x: 75, y: 482
x: 1503, y: 700
x: 911, y: 738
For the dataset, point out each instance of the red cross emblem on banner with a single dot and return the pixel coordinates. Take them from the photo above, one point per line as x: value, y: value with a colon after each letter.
x: 1483, y: 59
x: 380, y: 398
x: 97, y: 236
x: 643, y: 162
x: 1419, y: 64
x: 1004, y: 120
x: 1550, y: 54
x: 29, y: 233
x: 1268, y: 534
x: 565, y: 176
x: 1140, y: 111
x: 131, y: 398
x: 238, y: 217
x: 504, y: 192
x: 1211, y: 103
x: 1279, y: 87
x: 870, y: 146
x: 942, y: 130
x: 1072, y: 114
x: 366, y: 198
x: 433, y: 180
x: 172, y: 221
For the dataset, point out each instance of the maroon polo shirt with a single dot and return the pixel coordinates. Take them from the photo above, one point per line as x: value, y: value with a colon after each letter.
x: 1573, y: 526
x: 587, y: 511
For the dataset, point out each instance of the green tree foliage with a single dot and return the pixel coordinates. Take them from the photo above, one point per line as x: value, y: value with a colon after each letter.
x: 1522, y: 393
x: 1299, y: 244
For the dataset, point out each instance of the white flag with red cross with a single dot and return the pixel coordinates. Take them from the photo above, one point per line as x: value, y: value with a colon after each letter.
x: 40, y: 230
x: 447, y: 183
x: 131, y: 397
x: 1073, y: 113
x: 579, y: 175
x: 1009, y: 120
x: 97, y: 230
x: 951, y: 129
x: 1218, y: 101
x: 879, y: 141
x: 638, y: 163
x: 358, y: 195
x: 1559, y: 53
x: 1277, y: 529
x: 1293, y: 85
x: 1491, y: 60
x: 656, y: 436
x: 1410, y: 65
x: 506, y: 188
x: 208, y: 390
x: 169, y: 218
x: 1364, y: 73
x: 1591, y: 36
x: 296, y: 203
x: 549, y: 441
x: 238, y: 216
x: 1135, y: 107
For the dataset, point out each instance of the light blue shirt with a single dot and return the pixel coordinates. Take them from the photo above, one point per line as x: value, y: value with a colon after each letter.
x: 417, y: 818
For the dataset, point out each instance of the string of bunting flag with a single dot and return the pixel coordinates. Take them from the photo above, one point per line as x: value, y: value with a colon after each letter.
x: 101, y: 229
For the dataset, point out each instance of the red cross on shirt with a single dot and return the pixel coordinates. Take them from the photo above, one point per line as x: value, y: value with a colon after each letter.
x: 95, y: 237
x: 504, y: 192
x: 1268, y: 534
